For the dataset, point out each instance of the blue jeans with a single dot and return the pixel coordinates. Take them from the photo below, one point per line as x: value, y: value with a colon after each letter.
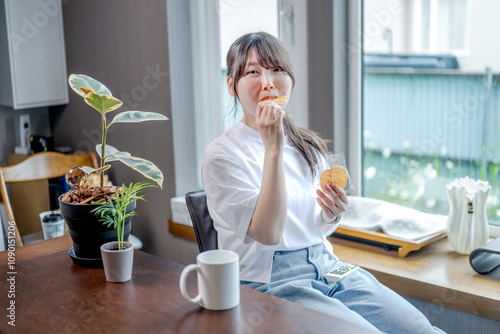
x: 299, y: 276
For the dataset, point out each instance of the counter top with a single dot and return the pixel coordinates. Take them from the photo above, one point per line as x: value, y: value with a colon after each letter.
x: 435, y: 274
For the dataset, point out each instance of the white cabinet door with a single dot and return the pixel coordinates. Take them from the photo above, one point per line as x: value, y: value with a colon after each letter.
x: 32, y: 54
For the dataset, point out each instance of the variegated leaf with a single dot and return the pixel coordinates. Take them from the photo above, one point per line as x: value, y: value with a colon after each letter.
x: 102, y: 103
x: 137, y: 116
x: 109, y: 151
x: 86, y: 90
x: 90, y: 170
x: 77, y: 81
x: 143, y: 166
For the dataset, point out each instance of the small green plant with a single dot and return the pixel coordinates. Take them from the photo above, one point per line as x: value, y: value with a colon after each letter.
x: 114, y: 213
x: 100, y: 98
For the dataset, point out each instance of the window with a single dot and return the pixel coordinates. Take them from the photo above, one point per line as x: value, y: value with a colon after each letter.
x: 197, y: 48
x: 431, y: 100
x: 237, y: 18
x: 417, y: 26
x: 285, y: 19
x: 408, y: 129
x: 441, y: 26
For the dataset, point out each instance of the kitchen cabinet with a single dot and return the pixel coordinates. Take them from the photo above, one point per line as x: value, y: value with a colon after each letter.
x: 32, y: 55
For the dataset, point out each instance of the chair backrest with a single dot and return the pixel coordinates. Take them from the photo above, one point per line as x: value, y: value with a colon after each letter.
x: 39, y: 166
x: 203, y: 225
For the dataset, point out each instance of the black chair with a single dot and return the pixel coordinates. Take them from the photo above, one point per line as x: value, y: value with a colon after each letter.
x: 203, y: 225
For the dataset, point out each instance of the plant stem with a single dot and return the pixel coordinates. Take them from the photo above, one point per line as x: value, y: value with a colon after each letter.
x: 118, y: 235
x: 103, y: 147
x: 122, y: 234
x: 121, y: 206
x: 121, y: 225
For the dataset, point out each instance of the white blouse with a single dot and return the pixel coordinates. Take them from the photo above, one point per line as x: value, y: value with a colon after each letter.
x: 232, y: 175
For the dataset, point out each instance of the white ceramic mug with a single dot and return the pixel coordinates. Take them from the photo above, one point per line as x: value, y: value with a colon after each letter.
x: 218, y: 280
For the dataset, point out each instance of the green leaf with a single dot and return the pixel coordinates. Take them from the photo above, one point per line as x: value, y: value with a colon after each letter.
x: 102, y: 103
x: 107, y: 213
x: 137, y: 116
x: 113, y: 213
x: 143, y: 166
x: 109, y: 151
x: 77, y: 81
x: 90, y: 170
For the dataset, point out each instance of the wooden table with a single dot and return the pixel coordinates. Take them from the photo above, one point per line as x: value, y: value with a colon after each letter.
x: 435, y: 274
x: 52, y: 295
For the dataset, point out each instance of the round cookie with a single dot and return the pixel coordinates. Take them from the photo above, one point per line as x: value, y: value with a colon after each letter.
x: 337, y: 175
x: 280, y: 100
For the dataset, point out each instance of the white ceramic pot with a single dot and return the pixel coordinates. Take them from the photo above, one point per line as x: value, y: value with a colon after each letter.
x: 117, y: 263
x: 467, y: 224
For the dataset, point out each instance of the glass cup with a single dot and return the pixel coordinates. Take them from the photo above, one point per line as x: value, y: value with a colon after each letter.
x: 52, y: 224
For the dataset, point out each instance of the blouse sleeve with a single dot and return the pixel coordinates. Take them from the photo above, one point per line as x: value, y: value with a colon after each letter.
x: 232, y: 193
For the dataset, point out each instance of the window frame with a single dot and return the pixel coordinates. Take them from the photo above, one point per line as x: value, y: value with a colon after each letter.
x: 432, y: 16
x: 347, y: 66
x: 195, y: 89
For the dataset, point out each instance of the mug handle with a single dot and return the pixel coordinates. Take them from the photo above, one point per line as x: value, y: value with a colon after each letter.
x: 182, y: 284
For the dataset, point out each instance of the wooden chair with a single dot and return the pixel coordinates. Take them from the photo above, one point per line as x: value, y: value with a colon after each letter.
x: 39, y: 166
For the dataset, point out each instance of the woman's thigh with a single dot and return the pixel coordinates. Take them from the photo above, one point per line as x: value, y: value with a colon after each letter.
x: 379, y: 305
x: 298, y: 276
x: 312, y: 294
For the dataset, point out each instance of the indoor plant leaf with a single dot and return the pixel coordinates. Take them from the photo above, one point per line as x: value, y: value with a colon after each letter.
x: 143, y: 166
x: 109, y: 151
x: 89, y: 170
x: 77, y: 81
x: 136, y: 116
x: 99, y: 97
x: 102, y: 103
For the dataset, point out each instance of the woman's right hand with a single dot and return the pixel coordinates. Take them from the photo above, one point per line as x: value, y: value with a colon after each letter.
x: 269, y: 123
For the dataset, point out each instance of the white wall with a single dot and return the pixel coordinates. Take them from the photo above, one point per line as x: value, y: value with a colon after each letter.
x: 382, y: 14
x: 402, y: 18
x: 483, y: 41
x: 9, y: 128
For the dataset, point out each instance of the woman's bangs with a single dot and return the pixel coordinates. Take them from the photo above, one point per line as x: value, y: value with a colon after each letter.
x: 269, y: 57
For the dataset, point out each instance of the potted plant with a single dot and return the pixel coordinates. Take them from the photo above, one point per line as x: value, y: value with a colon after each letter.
x: 77, y: 205
x: 118, y: 256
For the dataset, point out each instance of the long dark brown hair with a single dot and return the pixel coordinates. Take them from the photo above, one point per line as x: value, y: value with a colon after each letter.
x: 271, y: 53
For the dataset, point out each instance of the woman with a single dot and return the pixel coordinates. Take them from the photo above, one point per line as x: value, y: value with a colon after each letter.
x: 258, y: 177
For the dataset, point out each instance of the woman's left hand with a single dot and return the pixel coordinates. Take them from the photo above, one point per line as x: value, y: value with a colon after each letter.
x: 334, y: 202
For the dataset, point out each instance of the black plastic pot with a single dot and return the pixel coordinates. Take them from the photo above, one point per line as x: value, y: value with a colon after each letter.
x: 88, y: 233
